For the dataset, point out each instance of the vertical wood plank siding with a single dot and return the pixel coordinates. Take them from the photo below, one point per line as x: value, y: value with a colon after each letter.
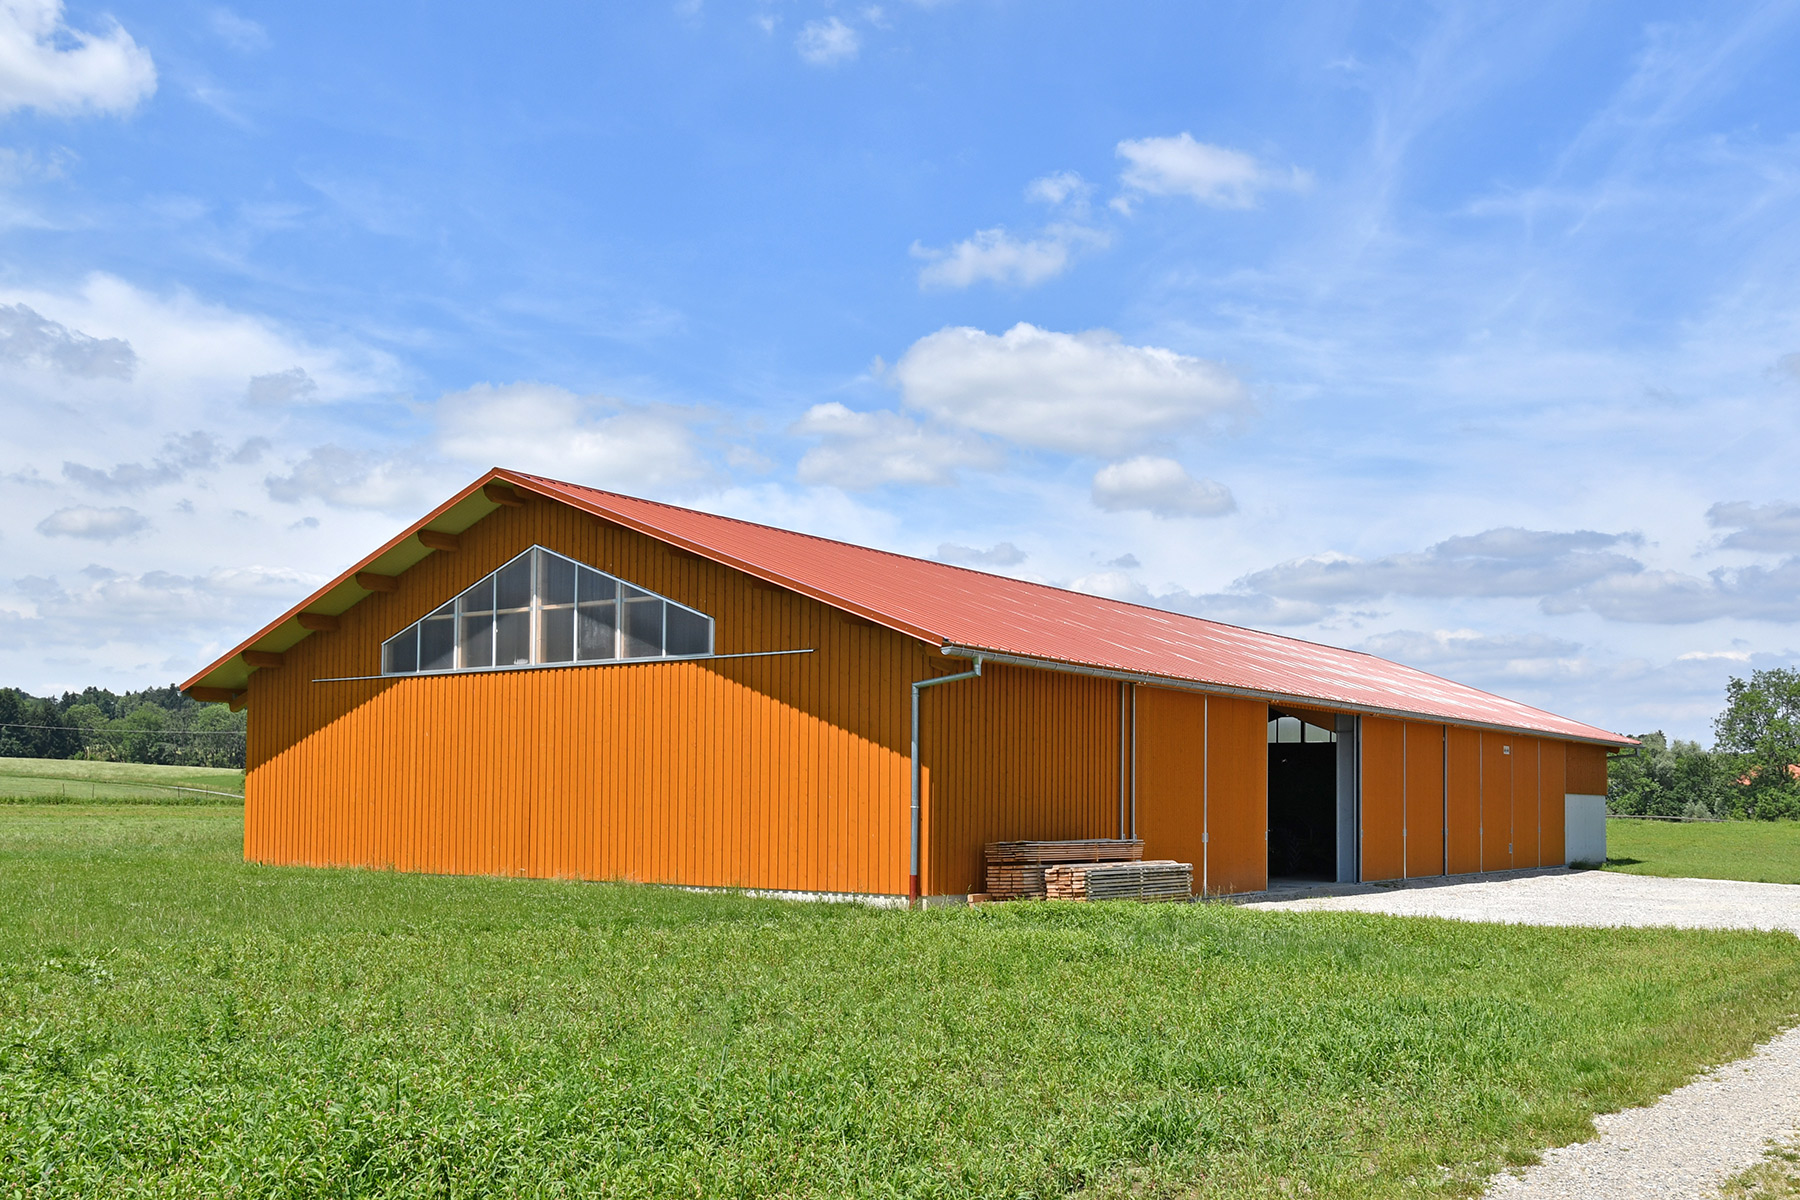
x: 1462, y: 779
x: 1383, y: 798
x: 1525, y: 801
x: 1424, y: 799
x: 791, y: 773
x: 1171, y: 776
x: 1586, y: 770
x: 1237, y: 795
x: 786, y: 772
x: 1496, y: 801
x: 1552, y: 768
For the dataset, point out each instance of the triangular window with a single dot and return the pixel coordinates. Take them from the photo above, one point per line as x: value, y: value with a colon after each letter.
x: 542, y: 609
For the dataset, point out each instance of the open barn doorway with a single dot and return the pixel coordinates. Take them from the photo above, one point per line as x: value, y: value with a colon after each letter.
x: 1303, y: 798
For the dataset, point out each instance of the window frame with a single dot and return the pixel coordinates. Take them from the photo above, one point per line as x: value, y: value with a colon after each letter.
x: 621, y: 589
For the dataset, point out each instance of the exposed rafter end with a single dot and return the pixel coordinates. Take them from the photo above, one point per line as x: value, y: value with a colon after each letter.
x: 317, y: 622
x: 431, y: 539
x: 262, y: 658
x: 369, y: 581
x: 503, y: 495
x: 212, y: 695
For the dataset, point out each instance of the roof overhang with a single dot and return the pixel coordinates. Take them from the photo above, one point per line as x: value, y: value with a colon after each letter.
x: 228, y: 676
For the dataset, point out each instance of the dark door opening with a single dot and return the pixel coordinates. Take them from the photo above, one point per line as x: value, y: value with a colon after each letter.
x: 1303, y: 800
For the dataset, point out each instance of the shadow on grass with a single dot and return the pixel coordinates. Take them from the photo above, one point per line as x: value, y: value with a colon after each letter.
x: 1623, y: 862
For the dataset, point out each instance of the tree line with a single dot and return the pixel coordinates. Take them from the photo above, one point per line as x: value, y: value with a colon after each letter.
x: 1751, y: 772
x: 156, y: 725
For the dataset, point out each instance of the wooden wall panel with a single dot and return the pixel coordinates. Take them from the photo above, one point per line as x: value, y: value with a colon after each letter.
x: 1424, y: 799
x: 1383, y: 798
x: 1496, y: 801
x: 1552, y: 771
x: 1586, y: 769
x: 1525, y: 816
x: 1016, y: 754
x: 785, y: 773
x: 1171, y: 775
x: 1462, y: 779
x: 1237, y: 796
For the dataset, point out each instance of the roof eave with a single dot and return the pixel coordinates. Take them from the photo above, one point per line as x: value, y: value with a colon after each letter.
x: 1178, y: 683
x: 394, y: 556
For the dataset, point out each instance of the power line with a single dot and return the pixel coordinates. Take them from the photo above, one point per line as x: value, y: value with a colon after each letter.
x: 150, y: 733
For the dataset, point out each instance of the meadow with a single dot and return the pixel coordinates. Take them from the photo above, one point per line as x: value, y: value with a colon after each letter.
x: 74, y: 780
x: 175, y: 1022
x: 1759, y: 851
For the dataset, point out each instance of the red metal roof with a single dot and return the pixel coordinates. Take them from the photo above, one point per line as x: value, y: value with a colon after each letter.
x: 971, y: 611
x: 955, y: 606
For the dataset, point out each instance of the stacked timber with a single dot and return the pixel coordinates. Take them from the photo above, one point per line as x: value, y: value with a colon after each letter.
x: 1015, y: 870
x: 1157, y: 879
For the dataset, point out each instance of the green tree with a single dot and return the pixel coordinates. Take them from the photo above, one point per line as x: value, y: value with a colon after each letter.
x: 1666, y: 778
x: 1760, y: 732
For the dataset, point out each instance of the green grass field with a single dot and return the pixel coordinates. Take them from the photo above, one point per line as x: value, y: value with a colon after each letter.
x: 1760, y: 851
x: 56, y: 780
x: 174, y: 1022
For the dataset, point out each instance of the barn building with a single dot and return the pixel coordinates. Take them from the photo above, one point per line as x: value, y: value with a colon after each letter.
x: 542, y: 679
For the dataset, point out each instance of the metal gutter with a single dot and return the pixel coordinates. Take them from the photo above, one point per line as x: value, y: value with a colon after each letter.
x: 1220, y: 689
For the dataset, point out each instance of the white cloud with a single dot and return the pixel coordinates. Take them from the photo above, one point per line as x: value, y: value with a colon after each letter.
x: 1160, y: 486
x: 595, y: 440
x: 827, y: 43
x: 1084, y: 393
x: 861, y: 450
x: 1497, y: 562
x: 30, y: 340
x: 995, y: 256
x: 47, y: 65
x: 239, y: 32
x: 94, y: 524
x: 278, y: 389
x: 1059, y: 188
x: 1000, y: 554
x: 181, y: 456
x: 1773, y: 528
x: 1214, y: 175
x: 398, y: 484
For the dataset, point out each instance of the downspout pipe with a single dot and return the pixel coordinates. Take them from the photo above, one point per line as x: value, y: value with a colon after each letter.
x: 912, y: 886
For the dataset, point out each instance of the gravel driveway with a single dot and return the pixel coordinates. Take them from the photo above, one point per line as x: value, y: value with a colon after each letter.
x: 1696, y: 1137
x: 1563, y: 897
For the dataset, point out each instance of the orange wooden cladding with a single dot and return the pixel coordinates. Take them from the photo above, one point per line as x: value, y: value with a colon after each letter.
x: 779, y: 772
x: 1171, y: 776
x: 1586, y: 769
x: 1383, y: 798
x: 1424, y: 799
x: 1496, y: 801
x: 1462, y: 780
x: 1552, y: 769
x: 1525, y: 801
x: 791, y: 772
x: 1237, y: 795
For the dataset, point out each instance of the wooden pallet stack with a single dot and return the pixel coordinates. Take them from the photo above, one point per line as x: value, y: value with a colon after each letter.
x: 1015, y: 870
x: 1156, y: 879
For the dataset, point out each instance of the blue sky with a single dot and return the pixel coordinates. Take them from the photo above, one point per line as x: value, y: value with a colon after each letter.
x: 1468, y: 335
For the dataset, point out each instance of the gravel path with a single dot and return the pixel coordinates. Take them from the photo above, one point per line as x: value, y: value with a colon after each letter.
x: 1562, y: 897
x: 1686, y: 1144
x: 1696, y: 1137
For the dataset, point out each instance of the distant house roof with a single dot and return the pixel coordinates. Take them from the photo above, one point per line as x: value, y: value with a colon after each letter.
x: 968, y: 612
